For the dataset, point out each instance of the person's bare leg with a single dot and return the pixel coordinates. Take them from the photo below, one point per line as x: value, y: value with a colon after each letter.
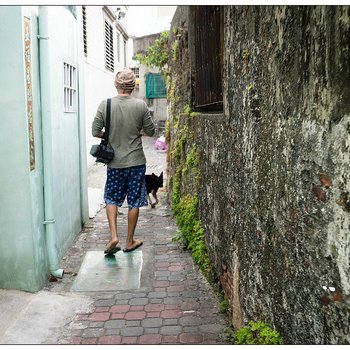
x: 112, y: 212
x: 133, y: 216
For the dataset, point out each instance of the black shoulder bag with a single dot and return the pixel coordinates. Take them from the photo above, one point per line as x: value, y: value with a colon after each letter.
x: 103, y: 152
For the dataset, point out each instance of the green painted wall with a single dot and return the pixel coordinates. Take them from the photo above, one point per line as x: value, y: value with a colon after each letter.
x: 65, y: 130
x: 22, y: 242
x: 23, y: 251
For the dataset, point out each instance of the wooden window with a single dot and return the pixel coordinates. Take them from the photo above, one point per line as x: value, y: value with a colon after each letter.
x: 209, y: 39
x: 70, y: 88
x: 84, y: 30
x: 109, y: 49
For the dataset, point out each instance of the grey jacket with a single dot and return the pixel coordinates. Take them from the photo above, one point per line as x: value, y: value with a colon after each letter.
x: 129, y: 116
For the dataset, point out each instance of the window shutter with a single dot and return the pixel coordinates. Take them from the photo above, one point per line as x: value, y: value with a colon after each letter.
x: 84, y: 30
x: 209, y: 41
x: 109, y: 50
x: 155, y: 86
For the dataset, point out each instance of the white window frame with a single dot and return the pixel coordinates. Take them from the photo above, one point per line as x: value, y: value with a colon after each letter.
x: 124, y: 51
x: 118, y: 46
x: 69, y: 88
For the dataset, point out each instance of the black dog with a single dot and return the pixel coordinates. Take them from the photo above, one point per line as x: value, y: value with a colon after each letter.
x: 153, y: 182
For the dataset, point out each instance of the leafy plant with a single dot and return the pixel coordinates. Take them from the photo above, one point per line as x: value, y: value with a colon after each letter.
x: 257, y: 333
x: 192, y: 158
x: 187, y: 109
x: 179, y: 145
x: 177, y: 237
x: 157, y: 54
x: 185, y: 206
x: 246, y: 54
x: 223, y: 306
x: 175, y: 49
x: 185, y: 211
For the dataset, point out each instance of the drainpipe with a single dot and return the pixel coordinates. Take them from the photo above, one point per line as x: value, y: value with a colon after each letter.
x: 45, y: 92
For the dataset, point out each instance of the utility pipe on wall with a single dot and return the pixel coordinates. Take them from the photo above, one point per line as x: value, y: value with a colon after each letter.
x: 45, y: 92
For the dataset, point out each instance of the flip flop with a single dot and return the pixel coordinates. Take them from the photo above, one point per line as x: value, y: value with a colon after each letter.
x: 126, y: 250
x: 112, y: 251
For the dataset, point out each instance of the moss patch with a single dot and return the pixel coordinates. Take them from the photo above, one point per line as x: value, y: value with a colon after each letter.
x: 185, y: 158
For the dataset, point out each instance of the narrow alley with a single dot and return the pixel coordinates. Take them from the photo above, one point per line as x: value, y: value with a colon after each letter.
x: 250, y: 240
x: 154, y: 295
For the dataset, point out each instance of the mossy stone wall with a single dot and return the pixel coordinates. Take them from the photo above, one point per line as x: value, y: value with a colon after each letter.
x: 274, y: 185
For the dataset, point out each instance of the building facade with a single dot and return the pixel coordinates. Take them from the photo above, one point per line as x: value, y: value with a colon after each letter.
x: 259, y: 135
x: 106, y: 51
x: 43, y: 163
x: 151, y: 87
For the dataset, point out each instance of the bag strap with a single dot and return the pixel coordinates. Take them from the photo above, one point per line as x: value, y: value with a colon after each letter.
x: 108, y: 121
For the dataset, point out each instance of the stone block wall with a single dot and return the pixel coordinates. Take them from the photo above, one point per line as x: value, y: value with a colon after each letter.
x: 274, y: 195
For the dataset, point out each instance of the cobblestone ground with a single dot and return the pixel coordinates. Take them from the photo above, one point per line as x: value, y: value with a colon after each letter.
x: 177, y: 306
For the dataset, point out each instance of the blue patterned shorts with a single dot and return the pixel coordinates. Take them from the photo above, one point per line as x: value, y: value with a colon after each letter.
x: 126, y: 182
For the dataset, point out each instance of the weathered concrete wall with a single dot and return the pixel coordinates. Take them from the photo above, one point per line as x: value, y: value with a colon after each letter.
x: 274, y: 194
x: 142, y: 43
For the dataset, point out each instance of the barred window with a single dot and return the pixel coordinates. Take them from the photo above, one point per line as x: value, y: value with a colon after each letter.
x: 70, y: 88
x: 109, y: 50
x: 84, y: 30
x: 136, y: 71
x: 209, y: 41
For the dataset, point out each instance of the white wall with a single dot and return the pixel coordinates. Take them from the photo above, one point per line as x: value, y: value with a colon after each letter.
x: 99, y: 82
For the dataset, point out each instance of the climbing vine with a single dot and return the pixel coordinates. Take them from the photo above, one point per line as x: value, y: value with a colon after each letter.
x: 184, y: 154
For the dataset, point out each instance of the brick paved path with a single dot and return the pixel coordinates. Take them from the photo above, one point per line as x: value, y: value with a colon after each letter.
x: 176, y: 305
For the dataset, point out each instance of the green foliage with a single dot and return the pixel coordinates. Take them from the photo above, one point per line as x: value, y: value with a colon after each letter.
x: 187, y: 110
x: 176, y: 187
x: 171, y: 86
x: 192, y: 158
x: 175, y: 49
x: 178, y: 237
x: 179, y: 146
x: 192, y: 162
x: 250, y: 86
x: 194, y: 114
x: 157, y: 54
x: 256, y: 333
x: 185, y: 211
x: 223, y: 306
x: 176, y: 31
x: 246, y: 54
x: 185, y: 207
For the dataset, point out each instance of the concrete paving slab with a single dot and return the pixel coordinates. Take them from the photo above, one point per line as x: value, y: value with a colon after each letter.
x: 39, y: 317
x: 120, y: 271
x: 12, y: 303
